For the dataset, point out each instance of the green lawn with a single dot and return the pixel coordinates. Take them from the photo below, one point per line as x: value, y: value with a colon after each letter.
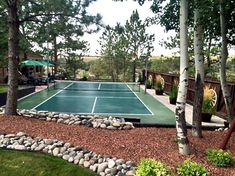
x: 18, y: 163
x: 3, y: 88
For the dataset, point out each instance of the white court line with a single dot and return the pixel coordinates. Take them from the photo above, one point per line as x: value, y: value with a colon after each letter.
x: 51, y: 96
x: 64, y: 96
x: 93, y: 108
x: 117, y: 114
x: 99, y: 86
x: 140, y: 100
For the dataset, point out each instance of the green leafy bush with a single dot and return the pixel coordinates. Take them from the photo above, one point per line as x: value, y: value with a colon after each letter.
x: 174, y: 92
x: 150, y: 167
x: 220, y: 158
x: 190, y: 168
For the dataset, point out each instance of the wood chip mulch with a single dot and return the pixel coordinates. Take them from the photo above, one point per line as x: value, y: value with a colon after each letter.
x: 135, y: 144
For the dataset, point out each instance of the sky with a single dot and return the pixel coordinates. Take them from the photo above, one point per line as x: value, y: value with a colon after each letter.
x: 113, y: 12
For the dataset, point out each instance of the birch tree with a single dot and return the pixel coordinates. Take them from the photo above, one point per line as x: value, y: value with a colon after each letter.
x: 183, y: 142
x: 223, y: 60
x: 199, y: 68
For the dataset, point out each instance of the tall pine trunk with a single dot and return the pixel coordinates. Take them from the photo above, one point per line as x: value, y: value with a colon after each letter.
x: 183, y: 142
x: 199, y: 75
x: 223, y: 60
x: 13, y: 57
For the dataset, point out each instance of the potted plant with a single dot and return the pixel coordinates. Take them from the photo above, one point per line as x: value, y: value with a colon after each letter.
x: 159, y: 85
x: 173, y: 93
x: 208, y: 105
x: 149, y: 82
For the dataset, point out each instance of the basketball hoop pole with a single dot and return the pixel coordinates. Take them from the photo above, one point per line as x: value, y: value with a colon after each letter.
x: 231, y: 129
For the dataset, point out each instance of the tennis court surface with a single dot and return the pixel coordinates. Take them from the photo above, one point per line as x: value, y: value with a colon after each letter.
x: 100, y: 98
x: 95, y: 98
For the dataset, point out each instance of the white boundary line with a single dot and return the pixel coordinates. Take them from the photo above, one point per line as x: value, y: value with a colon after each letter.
x: 34, y: 92
x: 99, y: 86
x: 50, y: 97
x: 140, y: 100
x: 118, y: 114
x: 93, y: 108
x: 102, y: 82
x: 64, y: 96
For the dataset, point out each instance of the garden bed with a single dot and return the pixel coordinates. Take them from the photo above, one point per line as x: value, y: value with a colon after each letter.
x: 135, y: 144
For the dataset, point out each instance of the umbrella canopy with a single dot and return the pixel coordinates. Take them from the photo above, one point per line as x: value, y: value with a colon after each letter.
x: 47, y: 63
x: 31, y: 63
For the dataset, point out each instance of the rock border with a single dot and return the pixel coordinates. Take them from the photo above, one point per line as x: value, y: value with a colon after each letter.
x: 102, y: 165
x: 95, y: 121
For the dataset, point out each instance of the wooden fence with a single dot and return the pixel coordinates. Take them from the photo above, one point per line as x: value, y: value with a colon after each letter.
x: 220, y: 105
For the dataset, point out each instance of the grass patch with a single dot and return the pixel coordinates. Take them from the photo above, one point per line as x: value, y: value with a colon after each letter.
x: 20, y: 163
x: 3, y: 88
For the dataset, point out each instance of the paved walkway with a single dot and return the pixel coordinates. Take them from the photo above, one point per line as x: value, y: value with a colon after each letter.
x: 164, y: 99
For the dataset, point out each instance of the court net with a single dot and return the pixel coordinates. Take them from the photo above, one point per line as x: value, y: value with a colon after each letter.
x: 96, y: 86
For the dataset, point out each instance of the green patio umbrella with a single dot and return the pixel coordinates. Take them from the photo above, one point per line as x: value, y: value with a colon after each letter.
x: 47, y: 63
x: 31, y: 63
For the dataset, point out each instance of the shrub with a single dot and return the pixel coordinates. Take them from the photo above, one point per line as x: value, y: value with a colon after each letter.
x: 220, y: 158
x: 150, y: 167
x: 159, y: 82
x: 190, y: 168
x: 174, y: 91
x: 209, y: 100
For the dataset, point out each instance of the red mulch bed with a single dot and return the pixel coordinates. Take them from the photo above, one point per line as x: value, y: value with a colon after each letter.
x: 158, y: 143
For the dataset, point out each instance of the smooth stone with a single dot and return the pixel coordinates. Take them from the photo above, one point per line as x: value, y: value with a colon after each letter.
x: 66, y: 157
x: 34, y: 146
x: 20, y: 147
x: 111, y: 164
x: 79, y: 156
x: 102, y: 167
x: 95, y: 167
x: 55, y: 151
x: 81, y: 162
x: 113, y: 171
x: 76, y: 161
x: 86, y: 164
x: 71, y: 159
x: 120, y: 161
x: 63, y: 149
x: 20, y: 134
x: 127, y: 127
x: 111, y: 128
x: 10, y: 135
x: 107, y: 171
x: 102, y: 125
x: 60, y: 120
x: 40, y: 147
x: 48, y: 141
x: 116, y: 124
x: 130, y: 173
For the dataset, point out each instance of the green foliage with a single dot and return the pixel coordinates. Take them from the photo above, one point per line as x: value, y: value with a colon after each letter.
x: 190, y: 168
x: 165, y: 64
x: 150, y: 167
x: 208, y: 107
x: 174, y: 92
x: 220, y: 158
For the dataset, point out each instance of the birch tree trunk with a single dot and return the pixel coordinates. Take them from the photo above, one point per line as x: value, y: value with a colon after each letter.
x: 223, y: 60
x: 13, y: 57
x: 199, y: 75
x: 183, y: 142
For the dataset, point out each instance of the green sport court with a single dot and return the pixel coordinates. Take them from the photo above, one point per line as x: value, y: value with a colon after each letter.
x: 100, y: 98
